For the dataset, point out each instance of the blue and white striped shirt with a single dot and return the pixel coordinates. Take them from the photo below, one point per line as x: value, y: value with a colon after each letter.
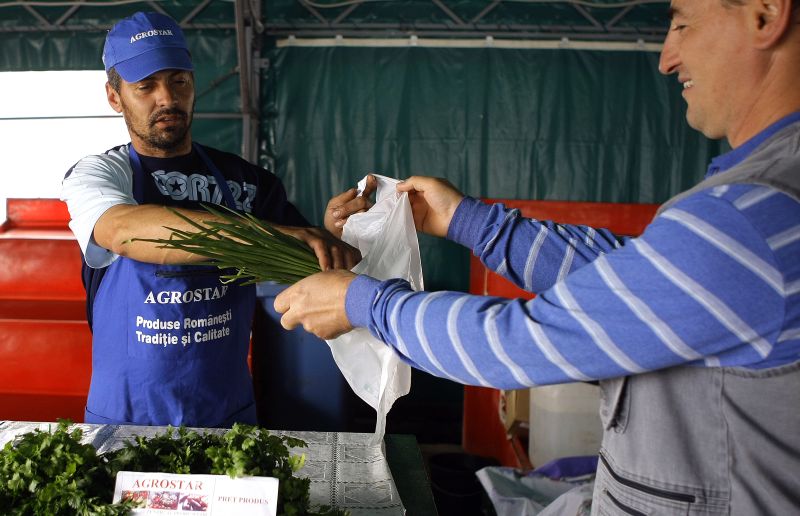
x: 713, y: 281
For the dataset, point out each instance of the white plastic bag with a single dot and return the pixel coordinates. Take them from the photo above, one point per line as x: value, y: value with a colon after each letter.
x: 387, y: 239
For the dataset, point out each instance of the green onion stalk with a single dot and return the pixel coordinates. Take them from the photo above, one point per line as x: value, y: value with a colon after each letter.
x: 254, y: 249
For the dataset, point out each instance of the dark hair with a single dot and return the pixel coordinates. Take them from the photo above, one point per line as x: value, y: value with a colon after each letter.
x: 114, y: 79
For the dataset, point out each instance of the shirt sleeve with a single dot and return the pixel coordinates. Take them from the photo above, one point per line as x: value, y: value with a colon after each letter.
x: 93, y: 185
x: 532, y: 254
x: 682, y: 293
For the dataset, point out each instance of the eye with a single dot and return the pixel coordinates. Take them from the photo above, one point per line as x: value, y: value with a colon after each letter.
x: 677, y: 27
x: 180, y: 79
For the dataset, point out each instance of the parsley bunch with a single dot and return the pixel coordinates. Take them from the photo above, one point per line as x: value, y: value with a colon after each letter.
x: 53, y: 473
x: 247, y: 451
x: 243, y: 450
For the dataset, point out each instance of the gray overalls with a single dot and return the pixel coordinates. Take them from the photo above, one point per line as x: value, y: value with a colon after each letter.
x: 691, y: 440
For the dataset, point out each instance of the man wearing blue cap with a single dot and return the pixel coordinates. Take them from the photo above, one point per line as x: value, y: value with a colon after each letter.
x: 170, y: 341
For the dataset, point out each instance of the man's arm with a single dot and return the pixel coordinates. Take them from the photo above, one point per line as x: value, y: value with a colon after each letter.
x: 119, y: 227
x: 703, y: 286
x: 105, y: 218
x: 678, y: 295
x: 532, y: 254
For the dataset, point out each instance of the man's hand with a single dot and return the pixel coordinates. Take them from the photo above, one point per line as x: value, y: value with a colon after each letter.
x: 433, y: 203
x: 331, y: 252
x: 317, y: 303
x: 347, y: 203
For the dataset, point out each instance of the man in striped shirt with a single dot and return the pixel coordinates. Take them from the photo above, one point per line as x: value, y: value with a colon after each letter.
x: 692, y: 329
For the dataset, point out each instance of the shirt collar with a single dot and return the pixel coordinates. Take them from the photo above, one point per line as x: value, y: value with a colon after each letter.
x: 728, y: 160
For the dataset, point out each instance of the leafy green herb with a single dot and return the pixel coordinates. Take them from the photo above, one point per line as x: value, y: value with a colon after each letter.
x: 252, y: 451
x: 253, y: 248
x: 242, y: 450
x: 181, y: 451
x: 53, y: 473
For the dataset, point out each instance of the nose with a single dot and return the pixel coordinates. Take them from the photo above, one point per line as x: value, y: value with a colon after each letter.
x: 166, y: 96
x: 669, y: 60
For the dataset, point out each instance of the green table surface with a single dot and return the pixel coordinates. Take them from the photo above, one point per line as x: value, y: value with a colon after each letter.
x: 409, y: 473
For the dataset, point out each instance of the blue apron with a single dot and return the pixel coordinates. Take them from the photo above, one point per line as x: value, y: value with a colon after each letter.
x: 170, y: 341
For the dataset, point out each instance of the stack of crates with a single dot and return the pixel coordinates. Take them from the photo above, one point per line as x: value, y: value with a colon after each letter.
x: 45, y: 342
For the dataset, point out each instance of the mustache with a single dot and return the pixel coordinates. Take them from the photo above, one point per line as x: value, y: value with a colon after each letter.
x: 167, y: 112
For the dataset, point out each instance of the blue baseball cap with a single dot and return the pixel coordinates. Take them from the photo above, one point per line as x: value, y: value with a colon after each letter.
x: 144, y: 44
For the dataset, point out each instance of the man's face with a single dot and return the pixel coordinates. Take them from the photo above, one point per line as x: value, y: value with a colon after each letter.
x: 704, y: 47
x: 158, y: 111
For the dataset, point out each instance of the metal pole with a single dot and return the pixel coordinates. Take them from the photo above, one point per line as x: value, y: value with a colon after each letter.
x: 243, y: 58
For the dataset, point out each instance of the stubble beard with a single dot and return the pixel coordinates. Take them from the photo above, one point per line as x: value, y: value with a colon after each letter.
x: 166, y: 139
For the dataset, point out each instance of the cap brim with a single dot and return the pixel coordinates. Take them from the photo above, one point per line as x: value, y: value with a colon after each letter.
x: 137, y: 68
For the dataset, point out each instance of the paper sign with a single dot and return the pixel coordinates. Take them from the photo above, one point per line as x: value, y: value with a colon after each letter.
x: 166, y: 494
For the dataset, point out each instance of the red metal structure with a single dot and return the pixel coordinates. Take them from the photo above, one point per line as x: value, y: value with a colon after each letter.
x: 45, y: 343
x: 483, y: 432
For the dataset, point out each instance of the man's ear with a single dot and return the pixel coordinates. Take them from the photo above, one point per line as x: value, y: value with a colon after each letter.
x: 113, y: 98
x: 768, y: 21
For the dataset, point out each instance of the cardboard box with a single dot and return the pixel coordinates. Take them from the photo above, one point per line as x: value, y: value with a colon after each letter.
x: 514, y: 410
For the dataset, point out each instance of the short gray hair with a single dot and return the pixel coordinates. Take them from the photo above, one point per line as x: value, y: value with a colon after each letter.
x: 114, y: 79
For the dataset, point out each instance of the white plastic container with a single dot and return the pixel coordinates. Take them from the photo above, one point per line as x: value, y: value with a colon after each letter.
x: 564, y: 422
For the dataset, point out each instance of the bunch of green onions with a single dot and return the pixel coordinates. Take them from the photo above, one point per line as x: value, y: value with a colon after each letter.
x: 253, y: 248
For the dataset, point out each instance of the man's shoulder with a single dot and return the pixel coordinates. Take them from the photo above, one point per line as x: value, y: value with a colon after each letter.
x: 115, y: 158
x: 115, y: 154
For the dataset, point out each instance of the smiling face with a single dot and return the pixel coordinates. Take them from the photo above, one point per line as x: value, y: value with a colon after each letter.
x: 706, y: 48
x: 158, y: 112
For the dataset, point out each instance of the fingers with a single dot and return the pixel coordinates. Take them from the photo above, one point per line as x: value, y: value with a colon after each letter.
x: 287, y: 321
x: 336, y: 211
x: 344, y: 210
x: 343, y: 255
x: 372, y: 186
x: 323, y: 255
x: 425, y: 183
x: 335, y: 204
x: 433, y: 203
x: 338, y: 255
x: 342, y: 198
x: 348, y: 203
x: 282, y: 304
x: 317, y: 239
x: 408, y: 184
x: 417, y: 184
x: 317, y: 303
x: 331, y: 252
